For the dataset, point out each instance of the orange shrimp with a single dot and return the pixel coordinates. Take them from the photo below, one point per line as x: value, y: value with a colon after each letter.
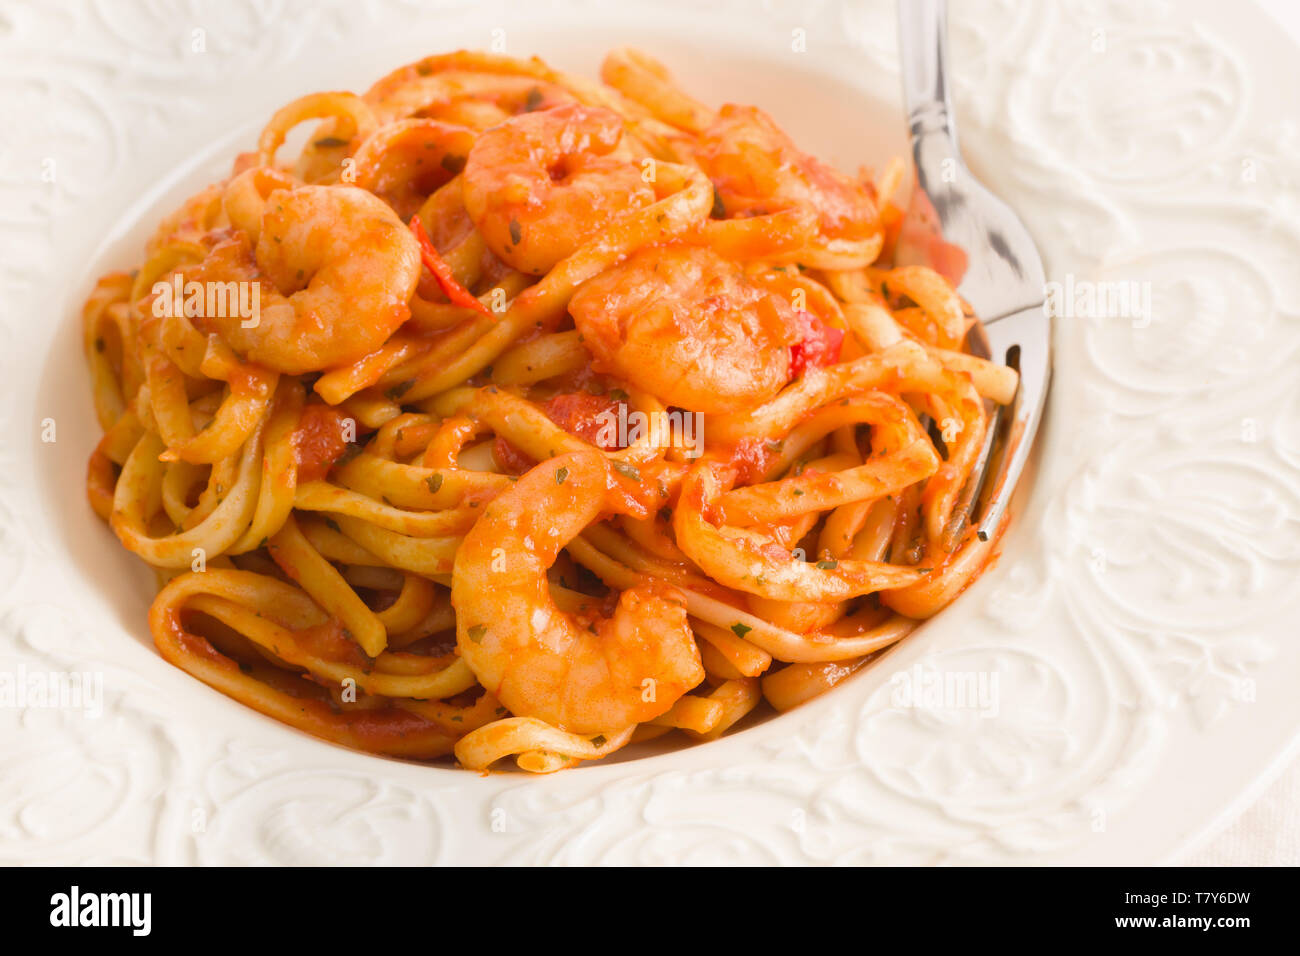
x: 757, y: 170
x: 404, y: 161
x: 584, y: 674
x: 335, y: 269
x: 473, y: 89
x: 688, y: 326
x: 541, y: 184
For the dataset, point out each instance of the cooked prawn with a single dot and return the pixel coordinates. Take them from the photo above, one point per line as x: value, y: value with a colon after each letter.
x: 581, y: 673
x: 541, y: 184
x: 688, y: 326
x: 474, y: 89
x: 407, y: 160
x: 757, y: 170
x: 336, y: 270
x: 244, y: 198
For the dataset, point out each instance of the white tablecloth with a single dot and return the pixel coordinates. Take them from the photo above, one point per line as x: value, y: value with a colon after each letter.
x: 1268, y: 834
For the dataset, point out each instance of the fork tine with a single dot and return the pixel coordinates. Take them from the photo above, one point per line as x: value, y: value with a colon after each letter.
x: 1023, y: 341
x: 971, y: 496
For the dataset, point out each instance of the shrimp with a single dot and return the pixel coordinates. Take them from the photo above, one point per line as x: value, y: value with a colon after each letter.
x: 757, y: 170
x: 405, y: 161
x: 473, y: 89
x: 244, y: 198
x: 541, y: 184
x: 580, y: 672
x: 336, y: 270
x: 688, y: 326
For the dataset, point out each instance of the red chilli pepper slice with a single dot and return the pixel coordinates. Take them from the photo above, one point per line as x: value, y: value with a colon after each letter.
x: 456, y: 293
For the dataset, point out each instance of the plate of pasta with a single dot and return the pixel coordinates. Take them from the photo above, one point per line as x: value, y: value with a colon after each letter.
x: 530, y: 447
x: 621, y: 327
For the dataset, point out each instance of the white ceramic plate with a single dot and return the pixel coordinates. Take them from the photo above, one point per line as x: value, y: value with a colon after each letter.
x: 1140, y: 624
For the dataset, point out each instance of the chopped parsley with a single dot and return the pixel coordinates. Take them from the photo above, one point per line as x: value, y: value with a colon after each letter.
x: 627, y: 471
x: 400, y: 389
x: 351, y: 451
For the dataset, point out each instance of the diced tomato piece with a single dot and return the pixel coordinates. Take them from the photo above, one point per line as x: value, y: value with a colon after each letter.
x: 585, y: 415
x: 819, y: 344
x: 948, y: 260
x: 578, y: 413
x: 750, y: 458
x: 921, y: 236
x: 319, y: 440
x: 509, y: 458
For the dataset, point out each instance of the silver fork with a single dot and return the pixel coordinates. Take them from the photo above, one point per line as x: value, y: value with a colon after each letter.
x: 1004, y: 279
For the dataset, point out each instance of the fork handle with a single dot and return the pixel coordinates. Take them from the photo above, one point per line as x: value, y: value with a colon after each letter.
x: 923, y: 41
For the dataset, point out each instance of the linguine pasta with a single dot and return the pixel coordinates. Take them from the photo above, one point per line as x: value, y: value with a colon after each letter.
x: 524, y: 416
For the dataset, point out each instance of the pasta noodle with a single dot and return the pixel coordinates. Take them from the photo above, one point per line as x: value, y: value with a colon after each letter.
x: 525, y: 416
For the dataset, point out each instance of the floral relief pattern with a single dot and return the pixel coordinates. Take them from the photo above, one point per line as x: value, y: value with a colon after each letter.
x: 1144, y: 594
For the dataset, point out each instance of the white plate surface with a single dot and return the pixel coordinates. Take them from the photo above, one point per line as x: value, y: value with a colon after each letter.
x: 1141, y: 622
